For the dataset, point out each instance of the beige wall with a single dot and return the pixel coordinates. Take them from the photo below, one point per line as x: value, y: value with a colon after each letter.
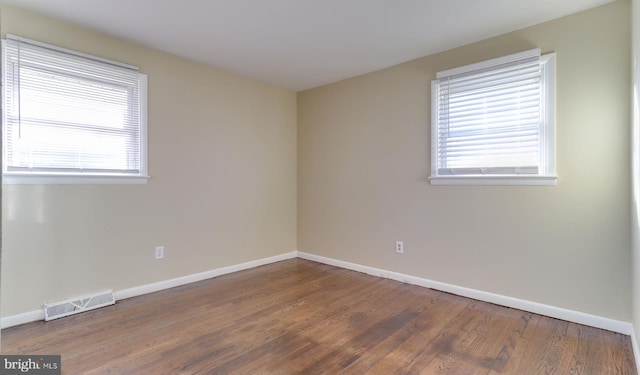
x: 635, y: 158
x: 363, y: 163
x: 222, y: 156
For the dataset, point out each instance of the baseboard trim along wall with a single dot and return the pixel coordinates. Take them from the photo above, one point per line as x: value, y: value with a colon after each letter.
x: 636, y: 350
x: 27, y: 317
x: 32, y: 316
x: 534, y: 307
x: 155, y: 287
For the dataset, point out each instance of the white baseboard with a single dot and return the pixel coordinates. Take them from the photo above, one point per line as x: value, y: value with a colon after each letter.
x: 161, y: 285
x: 538, y: 308
x: 636, y: 350
x: 27, y: 317
x: 32, y: 316
x: 534, y: 307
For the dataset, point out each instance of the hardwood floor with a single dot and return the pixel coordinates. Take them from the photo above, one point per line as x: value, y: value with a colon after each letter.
x: 301, y: 317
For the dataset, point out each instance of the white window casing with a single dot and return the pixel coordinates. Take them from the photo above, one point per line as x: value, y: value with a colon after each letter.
x: 493, y: 122
x: 71, y: 118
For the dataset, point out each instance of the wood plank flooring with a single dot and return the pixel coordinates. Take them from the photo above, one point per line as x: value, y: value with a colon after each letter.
x: 301, y: 317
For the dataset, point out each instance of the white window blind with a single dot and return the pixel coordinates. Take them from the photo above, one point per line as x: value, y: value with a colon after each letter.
x: 71, y: 114
x: 493, y: 119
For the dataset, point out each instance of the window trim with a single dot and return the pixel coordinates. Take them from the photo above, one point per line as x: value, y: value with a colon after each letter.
x: 548, y: 175
x: 79, y: 178
x: 68, y: 179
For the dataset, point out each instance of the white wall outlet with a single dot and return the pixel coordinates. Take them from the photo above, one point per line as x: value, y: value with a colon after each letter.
x: 399, y: 247
x: 159, y: 252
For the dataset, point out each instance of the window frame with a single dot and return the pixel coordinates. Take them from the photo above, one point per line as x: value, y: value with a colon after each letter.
x: 63, y: 177
x: 547, y: 170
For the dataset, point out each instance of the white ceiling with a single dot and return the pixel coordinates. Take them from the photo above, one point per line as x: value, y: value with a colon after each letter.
x: 300, y: 44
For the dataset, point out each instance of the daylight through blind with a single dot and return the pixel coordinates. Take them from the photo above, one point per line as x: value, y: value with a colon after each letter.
x: 70, y: 114
x: 489, y: 120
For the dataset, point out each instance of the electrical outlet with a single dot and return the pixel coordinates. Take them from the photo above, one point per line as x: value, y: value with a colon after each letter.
x: 399, y: 247
x: 159, y: 252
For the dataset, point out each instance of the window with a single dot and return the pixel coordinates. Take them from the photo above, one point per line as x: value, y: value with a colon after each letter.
x: 71, y: 117
x: 493, y: 123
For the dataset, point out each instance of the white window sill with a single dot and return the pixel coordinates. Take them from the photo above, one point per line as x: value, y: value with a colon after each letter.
x: 494, y: 180
x: 57, y: 179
